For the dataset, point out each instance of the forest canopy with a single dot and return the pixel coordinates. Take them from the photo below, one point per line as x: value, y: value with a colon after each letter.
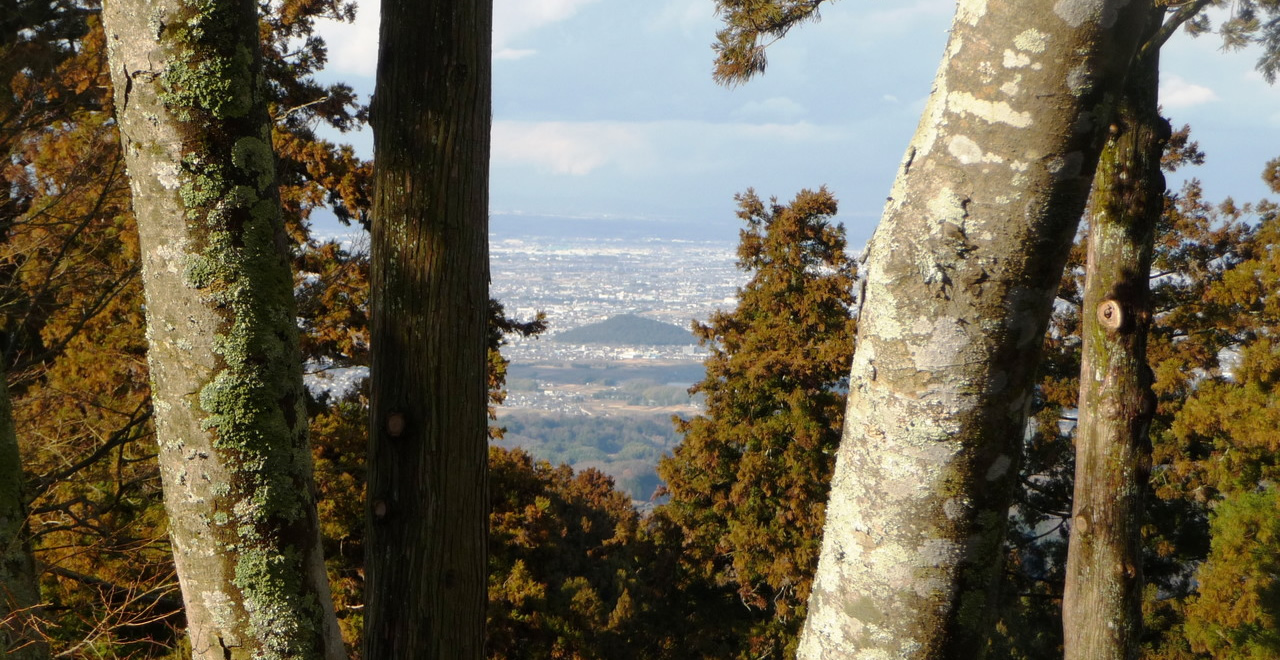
x: 892, y: 448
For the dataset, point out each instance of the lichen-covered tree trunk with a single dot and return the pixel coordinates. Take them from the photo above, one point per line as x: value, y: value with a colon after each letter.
x: 231, y: 425
x: 425, y: 563
x: 960, y: 282
x: 19, y: 586
x: 1102, y: 603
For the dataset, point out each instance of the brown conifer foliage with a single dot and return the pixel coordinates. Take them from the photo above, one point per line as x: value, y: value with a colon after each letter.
x: 748, y: 483
x: 562, y: 566
x: 72, y: 314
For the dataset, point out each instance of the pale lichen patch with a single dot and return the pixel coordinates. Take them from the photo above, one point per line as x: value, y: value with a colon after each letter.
x: 168, y: 175
x: 1066, y: 167
x: 994, y: 112
x: 936, y: 552
x: 1031, y: 40
x: 1015, y: 60
x: 942, y: 349
x: 1080, y: 80
x: 969, y: 152
x: 988, y: 71
x: 946, y: 206
x: 971, y: 11
x: 1076, y: 12
x: 221, y: 608
x: 965, y: 150
x: 955, y: 508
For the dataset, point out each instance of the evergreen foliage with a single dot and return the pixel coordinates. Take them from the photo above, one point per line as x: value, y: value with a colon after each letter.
x: 562, y: 571
x: 723, y: 570
x: 1212, y: 434
x: 748, y: 483
x: 750, y: 26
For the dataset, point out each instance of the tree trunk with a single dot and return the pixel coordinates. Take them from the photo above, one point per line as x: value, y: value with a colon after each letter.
x: 960, y: 282
x: 19, y: 586
x: 227, y: 382
x: 1102, y: 603
x: 428, y: 504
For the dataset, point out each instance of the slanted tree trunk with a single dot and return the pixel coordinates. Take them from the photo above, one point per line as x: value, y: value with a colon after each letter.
x: 425, y: 562
x: 1102, y: 602
x: 960, y: 281
x: 19, y: 586
x: 231, y: 426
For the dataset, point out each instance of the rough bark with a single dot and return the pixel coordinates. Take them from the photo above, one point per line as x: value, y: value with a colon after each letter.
x: 234, y: 458
x: 960, y: 279
x: 1102, y: 603
x: 426, y: 549
x: 19, y: 586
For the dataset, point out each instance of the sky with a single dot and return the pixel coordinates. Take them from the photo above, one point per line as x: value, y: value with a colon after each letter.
x: 605, y: 110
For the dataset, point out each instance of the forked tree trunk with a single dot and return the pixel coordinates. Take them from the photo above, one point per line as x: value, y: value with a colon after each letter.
x: 231, y: 426
x: 1102, y: 603
x: 19, y: 586
x: 428, y: 503
x: 960, y: 281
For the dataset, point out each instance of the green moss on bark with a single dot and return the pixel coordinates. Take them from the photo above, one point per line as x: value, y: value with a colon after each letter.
x: 253, y: 401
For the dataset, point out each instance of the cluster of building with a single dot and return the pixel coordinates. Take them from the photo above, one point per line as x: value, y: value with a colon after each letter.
x: 580, y: 281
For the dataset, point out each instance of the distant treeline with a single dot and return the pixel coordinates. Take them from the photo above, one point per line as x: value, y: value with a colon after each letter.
x: 627, y: 447
x: 648, y: 393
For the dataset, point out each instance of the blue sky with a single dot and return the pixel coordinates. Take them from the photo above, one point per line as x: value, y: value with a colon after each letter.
x: 605, y: 109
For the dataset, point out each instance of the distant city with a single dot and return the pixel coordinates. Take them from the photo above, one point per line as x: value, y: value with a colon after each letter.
x: 578, y: 281
x: 601, y: 405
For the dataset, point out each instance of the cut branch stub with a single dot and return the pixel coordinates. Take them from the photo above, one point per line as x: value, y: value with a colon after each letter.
x: 1111, y: 315
x: 395, y: 424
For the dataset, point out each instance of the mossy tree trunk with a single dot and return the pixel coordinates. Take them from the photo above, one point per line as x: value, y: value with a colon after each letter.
x: 231, y: 425
x: 19, y: 584
x: 426, y: 549
x: 1102, y: 602
x: 960, y: 281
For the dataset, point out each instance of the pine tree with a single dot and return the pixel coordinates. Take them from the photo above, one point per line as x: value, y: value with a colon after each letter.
x: 748, y: 483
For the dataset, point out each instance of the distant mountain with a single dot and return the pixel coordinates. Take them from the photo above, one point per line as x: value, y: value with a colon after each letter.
x: 628, y: 330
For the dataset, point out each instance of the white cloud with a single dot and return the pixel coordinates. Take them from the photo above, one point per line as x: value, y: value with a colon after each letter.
x: 690, y: 17
x: 353, y: 47
x: 514, y: 18
x: 581, y: 148
x: 575, y: 148
x: 1176, y: 92
x: 778, y: 108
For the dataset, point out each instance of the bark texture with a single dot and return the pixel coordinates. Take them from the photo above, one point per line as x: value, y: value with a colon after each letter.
x: 426, y: 549
x: 1102, y: 602
x: 960, y: 280
x: 19, y: 586
x: 225, y: 365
